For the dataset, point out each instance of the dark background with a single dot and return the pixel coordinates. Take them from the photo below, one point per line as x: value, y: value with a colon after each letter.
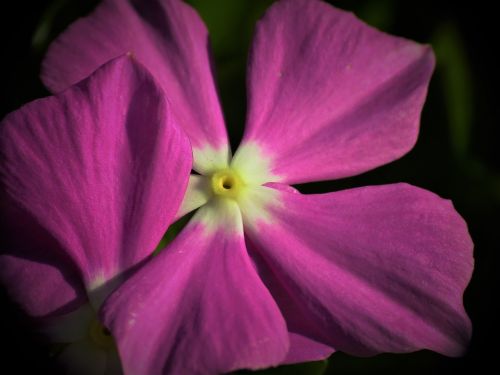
x: 456, y: 155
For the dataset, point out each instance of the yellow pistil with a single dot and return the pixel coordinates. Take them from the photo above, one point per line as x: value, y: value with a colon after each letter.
x: 100, y: 335
x: 226, y: 183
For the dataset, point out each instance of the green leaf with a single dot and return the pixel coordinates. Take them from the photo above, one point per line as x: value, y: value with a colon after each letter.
x: 172, y: 232
x: 456, y: 80
x: 308, y: 368
x: 378, y: 13
x: 230, y: 23
x: 58, y: 15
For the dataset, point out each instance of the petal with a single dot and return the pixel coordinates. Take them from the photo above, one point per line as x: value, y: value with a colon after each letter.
x: 199, y: 307
x: 304, y: 349
x: 168, y: 37
x: 208, y: 159
x: 375, y: 269
x: 197, y: 194
x: 330, y: 96
x: 102, y: 167
x: 36, y: 272
x: 71, y: 327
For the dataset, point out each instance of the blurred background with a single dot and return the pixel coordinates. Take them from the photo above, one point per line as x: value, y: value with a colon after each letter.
x: 456, y: 155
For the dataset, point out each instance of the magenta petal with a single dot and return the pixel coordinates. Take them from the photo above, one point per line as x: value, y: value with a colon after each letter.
x: 375, y: 269
x: 36, y: 272
x: 167, y: 36
x: 101, y: 167
x: 305, y: 349
x: 199, y: 307
x: 330, y: 96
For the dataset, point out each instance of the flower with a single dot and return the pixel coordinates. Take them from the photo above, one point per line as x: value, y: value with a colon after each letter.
x: 92, y: 178
x: 262, y: 274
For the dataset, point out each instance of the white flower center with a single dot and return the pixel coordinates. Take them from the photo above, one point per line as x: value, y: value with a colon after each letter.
x: 231, y: 193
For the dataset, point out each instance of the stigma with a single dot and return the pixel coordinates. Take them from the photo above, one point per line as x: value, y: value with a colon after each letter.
x: 100, y: 335
x: 226, y: 183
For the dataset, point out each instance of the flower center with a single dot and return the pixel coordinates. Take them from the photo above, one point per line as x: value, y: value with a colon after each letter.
x: 100, y: 335
x: 226, y: 183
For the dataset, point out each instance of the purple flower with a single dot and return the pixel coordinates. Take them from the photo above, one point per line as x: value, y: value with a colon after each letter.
x: 263, y: 275
x: 93, y: 177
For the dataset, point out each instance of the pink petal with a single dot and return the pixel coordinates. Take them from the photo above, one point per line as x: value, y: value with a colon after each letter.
x: 305, y: 349
x: 167, y: 36
x: 330, y: 96
x: 35, y: 271
x: 101, y: 167
x: 375, y: 269
x: 199, y: 307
